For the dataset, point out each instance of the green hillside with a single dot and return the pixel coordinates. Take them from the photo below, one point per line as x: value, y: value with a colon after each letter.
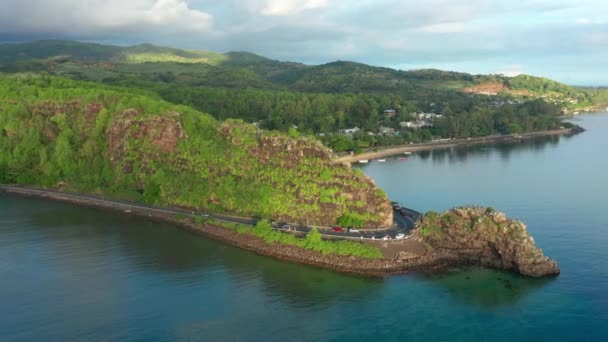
x: 129, y: 143
x: 91, y: 52
x: 322, y: 99
x: 335, y: 77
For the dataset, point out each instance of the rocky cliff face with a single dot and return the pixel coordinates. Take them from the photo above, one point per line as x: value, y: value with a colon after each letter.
x: 331, y: 187
x: 307, y: 186
x: 484, y: 237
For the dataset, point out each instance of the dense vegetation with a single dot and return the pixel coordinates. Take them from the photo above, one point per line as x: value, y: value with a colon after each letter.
x: 314, y: 99
x: 61, y: 50
x: 312, y: 241
x: 130, y: 143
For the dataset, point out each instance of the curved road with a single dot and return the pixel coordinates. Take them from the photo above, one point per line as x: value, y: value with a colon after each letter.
x: 404, y: 222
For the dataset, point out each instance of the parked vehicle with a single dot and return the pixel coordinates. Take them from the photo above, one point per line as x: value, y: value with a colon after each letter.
x: 399, y: 236
x: 338, y: 229
x: 353, y: 230
x: 386, y: 237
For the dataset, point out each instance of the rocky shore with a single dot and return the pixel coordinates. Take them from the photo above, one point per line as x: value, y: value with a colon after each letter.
x: 461, y: 237
x: 484, y: 237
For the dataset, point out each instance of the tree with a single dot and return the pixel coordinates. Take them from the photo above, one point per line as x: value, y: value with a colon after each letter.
x: 350, y: 221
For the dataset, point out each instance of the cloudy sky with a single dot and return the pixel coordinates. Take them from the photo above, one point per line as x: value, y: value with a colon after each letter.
x: 564, y: 40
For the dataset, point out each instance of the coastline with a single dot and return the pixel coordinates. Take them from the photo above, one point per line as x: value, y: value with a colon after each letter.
x: 591, y: 109
x: 343, y: 264
x: 399, y: 256
x: 391, y: 151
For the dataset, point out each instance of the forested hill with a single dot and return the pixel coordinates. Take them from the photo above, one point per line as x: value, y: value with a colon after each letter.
x: 320, y: 100
x: 128, y: 143
x: 336, y: 77
x: 61, y: 50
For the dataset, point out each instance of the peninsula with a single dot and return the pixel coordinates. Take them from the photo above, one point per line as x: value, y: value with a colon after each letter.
x: 118, y: 144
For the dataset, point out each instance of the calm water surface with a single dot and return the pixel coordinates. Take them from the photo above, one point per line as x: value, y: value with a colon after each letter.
x: 69, y: 273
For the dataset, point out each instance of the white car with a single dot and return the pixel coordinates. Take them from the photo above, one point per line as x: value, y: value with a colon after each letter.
x: 386, y: 237
x: 400, y: 236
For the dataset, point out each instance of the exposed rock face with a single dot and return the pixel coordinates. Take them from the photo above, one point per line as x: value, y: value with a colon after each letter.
x: 315, y: 190
x: 163, y: 132
x: 354, y: 188
x: 494, y: 88
x: 308, y: 159
x: 484, y: 237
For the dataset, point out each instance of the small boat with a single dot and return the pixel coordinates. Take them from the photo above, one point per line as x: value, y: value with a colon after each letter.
x: 363, y: 161
x: 402, y: 158
x: 381, y: 160
x: 407, y: 153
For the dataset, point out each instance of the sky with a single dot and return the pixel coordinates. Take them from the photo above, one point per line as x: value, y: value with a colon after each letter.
x: 559, y: 39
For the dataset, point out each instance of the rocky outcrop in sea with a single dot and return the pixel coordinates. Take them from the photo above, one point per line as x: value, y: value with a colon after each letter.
x: 484, y: 237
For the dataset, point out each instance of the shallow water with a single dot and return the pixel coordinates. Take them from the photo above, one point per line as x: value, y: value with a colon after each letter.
x: 70, y: 273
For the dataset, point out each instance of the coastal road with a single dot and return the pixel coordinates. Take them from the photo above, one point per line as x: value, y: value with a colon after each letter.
x: 404, y: 221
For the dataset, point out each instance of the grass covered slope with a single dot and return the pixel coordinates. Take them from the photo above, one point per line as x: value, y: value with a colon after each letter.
x: 129, y: 143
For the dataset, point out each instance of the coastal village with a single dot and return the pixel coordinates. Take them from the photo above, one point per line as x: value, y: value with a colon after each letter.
x: 418, y: 120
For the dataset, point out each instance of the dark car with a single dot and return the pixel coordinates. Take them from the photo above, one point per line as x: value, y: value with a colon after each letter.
x: 338, y: 229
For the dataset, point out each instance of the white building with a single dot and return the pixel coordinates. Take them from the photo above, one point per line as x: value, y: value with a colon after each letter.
x: 427, y: 116
x: 349, y: 131
x: 386, y: 130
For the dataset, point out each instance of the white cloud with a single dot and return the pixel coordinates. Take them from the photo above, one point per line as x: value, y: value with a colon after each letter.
x: 588, y: 21
x: 511, y: 70
x: 472, y: 35
x: 177, y: 12
x: 583, y: 21
x: 68, y: 16
x: 289, y: 7
x: 454, y: 27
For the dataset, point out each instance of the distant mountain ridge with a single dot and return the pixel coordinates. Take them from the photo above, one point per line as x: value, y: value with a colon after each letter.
x: 299, y: 76
x: 315, y: 99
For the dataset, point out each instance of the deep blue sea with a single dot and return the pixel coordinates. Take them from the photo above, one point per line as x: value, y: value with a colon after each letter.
x: 78, y: 274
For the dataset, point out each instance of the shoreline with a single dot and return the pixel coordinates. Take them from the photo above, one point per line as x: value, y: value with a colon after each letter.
x: 399, y: 256
x: 585, y: 110
x: 391, y: 151
x: 339, y: 263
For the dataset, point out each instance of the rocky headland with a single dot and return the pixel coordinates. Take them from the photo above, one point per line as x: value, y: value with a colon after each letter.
x: 483, y: 237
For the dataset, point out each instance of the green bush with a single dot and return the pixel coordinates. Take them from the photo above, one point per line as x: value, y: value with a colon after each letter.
x: 431, y: 230
x: 431, y: 215
x: 314, y: 241
x: 350, y: 221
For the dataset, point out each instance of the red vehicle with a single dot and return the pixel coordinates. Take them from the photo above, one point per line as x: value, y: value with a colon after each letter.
x: 338, y: 229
